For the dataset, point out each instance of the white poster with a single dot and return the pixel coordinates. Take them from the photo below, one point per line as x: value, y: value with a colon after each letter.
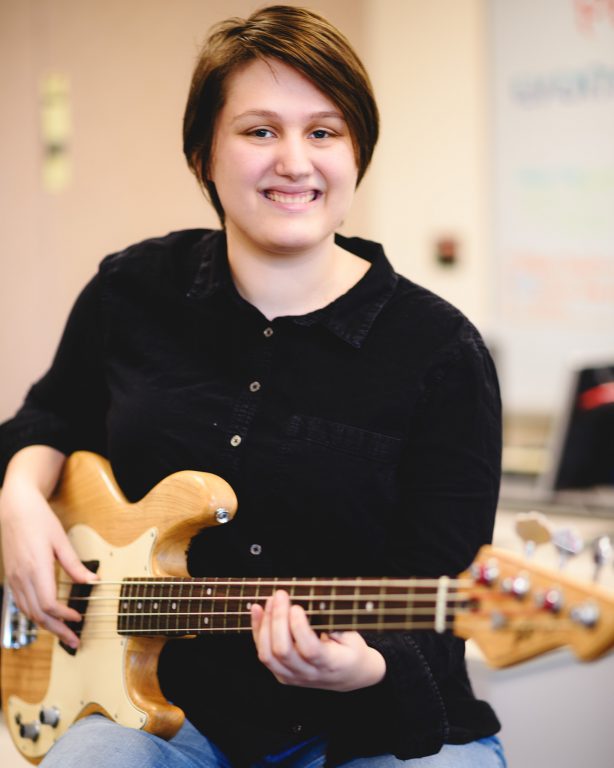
x: 553, y: 131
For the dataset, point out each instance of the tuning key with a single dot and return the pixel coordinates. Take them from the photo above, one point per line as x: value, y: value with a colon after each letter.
x: 602, y: 552
x: 568, y: 544
x: 534, y: 529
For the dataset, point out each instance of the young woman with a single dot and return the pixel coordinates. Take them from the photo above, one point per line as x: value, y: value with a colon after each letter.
x: 355, y: 414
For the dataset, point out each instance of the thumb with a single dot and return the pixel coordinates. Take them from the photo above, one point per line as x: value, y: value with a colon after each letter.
x: 69, y: 560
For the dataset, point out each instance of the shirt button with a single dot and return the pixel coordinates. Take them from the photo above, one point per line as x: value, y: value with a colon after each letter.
x: 268, y: 332
x: 254, y: 386
x: 235, y: 440
x: 255, y: 549
x: 297, y: 728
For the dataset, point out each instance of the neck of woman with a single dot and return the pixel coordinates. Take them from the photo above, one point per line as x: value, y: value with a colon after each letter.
x: 293, y: 284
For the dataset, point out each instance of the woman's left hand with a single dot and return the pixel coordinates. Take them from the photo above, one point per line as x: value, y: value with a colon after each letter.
x: 296, y: 655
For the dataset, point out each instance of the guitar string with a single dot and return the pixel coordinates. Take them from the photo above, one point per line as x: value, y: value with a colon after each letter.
x: 280, y: 583
x: 110, y: 633
x: 482, y: 621
x: 309, y: 612
x: 368, y: 597
x: 359, y: 614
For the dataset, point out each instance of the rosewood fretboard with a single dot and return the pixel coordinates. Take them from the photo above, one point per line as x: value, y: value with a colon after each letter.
x: 175, y: 607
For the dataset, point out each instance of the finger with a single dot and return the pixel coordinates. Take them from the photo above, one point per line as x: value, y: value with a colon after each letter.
x: 309, y: 646
x: 282, y: 671
x: 281, y: 638
x: 263, y: 635
x: 48, y: 619
x: 70, y: 562
x: 46, y: 597
x: 256, y: 616
x: 60, y: 629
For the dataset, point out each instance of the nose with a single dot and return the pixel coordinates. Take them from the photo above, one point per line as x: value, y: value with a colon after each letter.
x: 294, y: 158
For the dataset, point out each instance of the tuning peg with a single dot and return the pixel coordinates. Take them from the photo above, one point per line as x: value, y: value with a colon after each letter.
x: 534, y: 529
x: 568, y: 544
x: 602, y: 552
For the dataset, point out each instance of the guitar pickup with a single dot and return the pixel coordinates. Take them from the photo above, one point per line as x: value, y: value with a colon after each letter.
x: 78, y: 601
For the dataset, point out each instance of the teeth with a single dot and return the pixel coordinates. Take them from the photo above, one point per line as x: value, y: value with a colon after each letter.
x: 284, y: 197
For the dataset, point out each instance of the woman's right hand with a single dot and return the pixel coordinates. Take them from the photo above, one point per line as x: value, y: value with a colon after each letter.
x: 32, y: 540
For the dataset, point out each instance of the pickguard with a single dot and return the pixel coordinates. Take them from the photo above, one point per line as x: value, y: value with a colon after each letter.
x: 94, y: 679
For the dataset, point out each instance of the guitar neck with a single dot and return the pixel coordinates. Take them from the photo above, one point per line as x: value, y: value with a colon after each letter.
x: 186, y: 606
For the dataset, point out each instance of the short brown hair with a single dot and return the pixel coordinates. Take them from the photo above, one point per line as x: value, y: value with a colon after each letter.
x: 301, y: 39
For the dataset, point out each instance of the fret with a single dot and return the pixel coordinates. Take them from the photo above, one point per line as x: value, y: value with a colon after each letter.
x: 299, y: 593
x: 331, y: 605
x: 165, y: 608
x: 425, y: 602
x: 378, y: 612
x: 397, y: 612
x: 321, y: 604
x: 155, y: 611
x: 210, y: 620
x: 143, y: 610
x: 368, y: 607
x: 343, y: 611
x: 311, y: 596
x: 257, y: 591
x: 410, y: 600
x: 201, y: 622
x: 224, y: 616
x: 176, y: 603
x: 232, y: 605
x: 137, y: 607
x: 190, y: 616
x: 243, y: 607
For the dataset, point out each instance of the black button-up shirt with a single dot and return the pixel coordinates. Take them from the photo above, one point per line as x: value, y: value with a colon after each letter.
x: 361, y: 439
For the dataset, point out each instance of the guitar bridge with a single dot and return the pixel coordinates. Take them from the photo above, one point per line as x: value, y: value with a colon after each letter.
x: 17, y: 629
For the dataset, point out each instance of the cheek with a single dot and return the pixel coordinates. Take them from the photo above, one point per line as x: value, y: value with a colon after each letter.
x: 237, y: 169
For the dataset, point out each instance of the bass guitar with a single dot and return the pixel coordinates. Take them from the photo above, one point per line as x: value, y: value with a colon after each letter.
x: 513, y: 609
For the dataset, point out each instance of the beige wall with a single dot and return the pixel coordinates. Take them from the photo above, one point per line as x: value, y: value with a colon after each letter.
x: 129, y: 64
x: 428, y: 63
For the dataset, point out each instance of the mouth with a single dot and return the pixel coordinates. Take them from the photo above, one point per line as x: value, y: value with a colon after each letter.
x: 292, y: 198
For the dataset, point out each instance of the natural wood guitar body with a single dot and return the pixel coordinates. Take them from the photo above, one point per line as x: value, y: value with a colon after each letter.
x: 114, y: 675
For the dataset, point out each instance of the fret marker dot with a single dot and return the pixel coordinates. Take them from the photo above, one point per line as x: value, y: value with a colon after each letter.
x: 174, y: 606
x: 139, y: 605
x: 209, y: 591
x: 369, y: 606
x: 125, y: 605
x: 249, y: 606
x: 155, y: 606
x: 206, y: 620
x: 322, y: 606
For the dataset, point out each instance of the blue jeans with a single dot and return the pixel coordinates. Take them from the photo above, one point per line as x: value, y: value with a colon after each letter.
x: 96, y: 742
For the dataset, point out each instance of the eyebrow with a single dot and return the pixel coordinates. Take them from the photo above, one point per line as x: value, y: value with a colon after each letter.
x: 267, y: 113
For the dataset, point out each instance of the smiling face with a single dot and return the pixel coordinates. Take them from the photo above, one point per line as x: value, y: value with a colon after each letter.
x: 283, y: 162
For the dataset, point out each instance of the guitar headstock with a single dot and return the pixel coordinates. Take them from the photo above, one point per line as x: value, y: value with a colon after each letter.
x: 518, y: 609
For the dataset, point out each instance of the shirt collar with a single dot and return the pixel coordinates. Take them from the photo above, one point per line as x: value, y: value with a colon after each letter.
x: 349, y: 317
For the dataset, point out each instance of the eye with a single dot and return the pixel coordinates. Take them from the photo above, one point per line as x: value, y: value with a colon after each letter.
x: 321, y: 133
x: 261, y: 133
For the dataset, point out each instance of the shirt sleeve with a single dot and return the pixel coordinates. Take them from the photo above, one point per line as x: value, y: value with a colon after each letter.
x: 66, y: 408
x: 450, y: 481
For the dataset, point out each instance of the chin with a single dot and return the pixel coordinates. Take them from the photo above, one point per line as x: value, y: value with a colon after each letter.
x: 291, y: 241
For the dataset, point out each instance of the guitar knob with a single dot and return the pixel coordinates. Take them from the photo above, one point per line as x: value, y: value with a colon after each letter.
x: 30, y: 730
x: 50, y: 716
x: 568, y: 543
